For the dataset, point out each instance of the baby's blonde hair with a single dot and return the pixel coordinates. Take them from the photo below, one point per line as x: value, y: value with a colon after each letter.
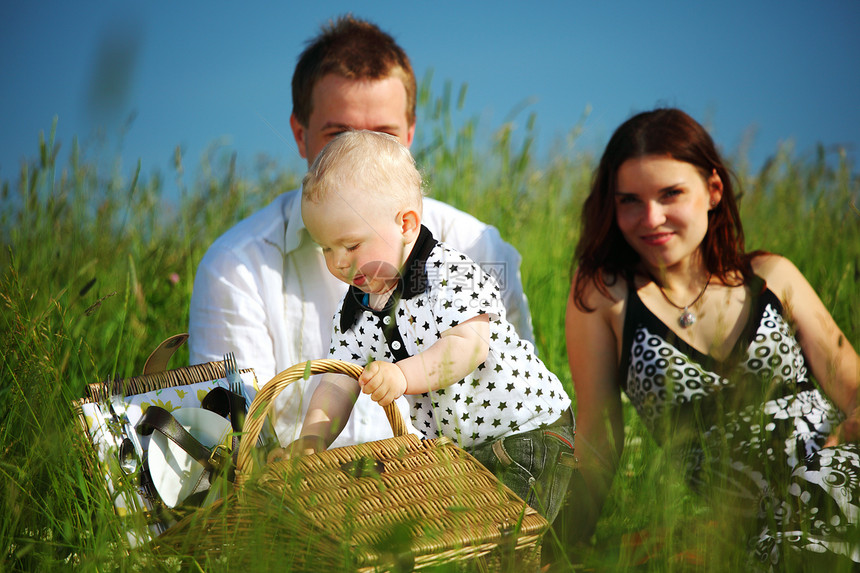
x: 375, y: 163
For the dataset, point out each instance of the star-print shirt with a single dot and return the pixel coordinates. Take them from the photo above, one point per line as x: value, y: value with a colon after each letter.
x: 512, y: 391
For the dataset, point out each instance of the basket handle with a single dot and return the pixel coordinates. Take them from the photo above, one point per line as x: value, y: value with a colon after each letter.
x: 157, y: 361
x: 262, y: 403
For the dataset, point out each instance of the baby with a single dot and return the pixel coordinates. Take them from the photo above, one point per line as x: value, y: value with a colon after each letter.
x: 429, y: 324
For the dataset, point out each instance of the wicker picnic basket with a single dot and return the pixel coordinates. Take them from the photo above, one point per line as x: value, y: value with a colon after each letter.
x: 101, y: 430
x: 397, y: 504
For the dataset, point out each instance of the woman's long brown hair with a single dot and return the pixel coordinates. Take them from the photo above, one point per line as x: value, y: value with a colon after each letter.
x: 603, y: 255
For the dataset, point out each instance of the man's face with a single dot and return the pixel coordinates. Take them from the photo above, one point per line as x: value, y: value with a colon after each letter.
x: 340, y: 104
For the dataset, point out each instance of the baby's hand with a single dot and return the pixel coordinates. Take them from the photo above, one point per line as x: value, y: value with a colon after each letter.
x: 277, y: 454
x: 304, y: 446
x: 384, y: 382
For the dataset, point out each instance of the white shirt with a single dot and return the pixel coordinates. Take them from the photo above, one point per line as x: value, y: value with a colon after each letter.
x: 263, y: 292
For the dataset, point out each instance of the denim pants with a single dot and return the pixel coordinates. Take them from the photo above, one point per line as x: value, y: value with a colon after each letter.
x: 536, y: 465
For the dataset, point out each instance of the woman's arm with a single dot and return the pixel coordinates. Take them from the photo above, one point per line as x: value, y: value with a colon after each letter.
x: 592, y: 348
x: 830, y: 355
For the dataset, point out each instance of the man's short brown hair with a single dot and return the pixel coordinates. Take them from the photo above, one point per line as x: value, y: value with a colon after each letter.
x: 354, y: 49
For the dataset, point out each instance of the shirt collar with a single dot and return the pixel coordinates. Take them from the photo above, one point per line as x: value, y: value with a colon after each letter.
x: 296, y: 233
x: 413, y: 281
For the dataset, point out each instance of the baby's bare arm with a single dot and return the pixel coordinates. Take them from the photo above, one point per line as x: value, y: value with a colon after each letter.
x: 329, y: 409
x: 457, y: 353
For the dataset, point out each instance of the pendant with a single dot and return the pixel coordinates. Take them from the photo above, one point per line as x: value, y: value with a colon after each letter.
x: 687, y: 319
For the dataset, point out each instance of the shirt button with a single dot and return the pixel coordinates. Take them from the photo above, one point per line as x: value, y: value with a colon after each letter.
x: 386, y: 320
x: 395, y: 345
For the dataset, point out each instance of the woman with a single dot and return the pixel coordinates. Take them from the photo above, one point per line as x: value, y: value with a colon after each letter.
x: 716, y: 348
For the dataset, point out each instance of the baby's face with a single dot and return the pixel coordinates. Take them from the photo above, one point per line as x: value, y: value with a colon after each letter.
x: 362, y: 241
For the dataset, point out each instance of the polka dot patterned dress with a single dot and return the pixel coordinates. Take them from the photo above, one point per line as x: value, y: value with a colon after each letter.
x: 758, y: 426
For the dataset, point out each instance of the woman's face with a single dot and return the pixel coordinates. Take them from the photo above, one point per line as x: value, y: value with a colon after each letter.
x: 662, y: 209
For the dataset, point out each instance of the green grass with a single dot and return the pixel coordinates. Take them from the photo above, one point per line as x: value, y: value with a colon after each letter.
x: 96, y: 269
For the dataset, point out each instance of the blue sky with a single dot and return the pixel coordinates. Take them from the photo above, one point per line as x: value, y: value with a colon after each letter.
x: 194, y: 74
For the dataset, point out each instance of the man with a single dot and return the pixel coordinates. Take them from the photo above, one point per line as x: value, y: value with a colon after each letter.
x: 263, y: 291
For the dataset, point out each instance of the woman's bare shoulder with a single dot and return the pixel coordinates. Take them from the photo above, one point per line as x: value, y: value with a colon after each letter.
x: 767, y: 263
x: 598, y: 300
x: 778, y: 272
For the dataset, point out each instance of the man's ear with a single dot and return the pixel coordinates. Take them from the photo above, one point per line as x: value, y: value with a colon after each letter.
x: 299, y: 135
x: 410, y: 224
x: 410, y: 136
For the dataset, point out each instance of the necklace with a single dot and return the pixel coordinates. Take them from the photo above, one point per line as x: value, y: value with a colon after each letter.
x: 687, y: 318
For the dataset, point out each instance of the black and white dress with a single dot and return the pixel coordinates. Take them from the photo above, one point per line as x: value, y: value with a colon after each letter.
x: 509, y: 393
x: 749, y: 429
